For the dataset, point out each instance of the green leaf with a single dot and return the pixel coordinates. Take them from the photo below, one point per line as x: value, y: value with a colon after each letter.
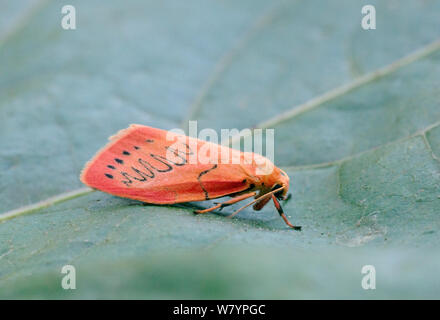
x: 357, y: 125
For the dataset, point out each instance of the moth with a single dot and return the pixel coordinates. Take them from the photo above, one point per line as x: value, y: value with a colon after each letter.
x: 161, y: 167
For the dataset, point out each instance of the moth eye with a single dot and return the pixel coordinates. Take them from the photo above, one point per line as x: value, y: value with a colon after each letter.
x: 279, y: 193
x: 277, y: 186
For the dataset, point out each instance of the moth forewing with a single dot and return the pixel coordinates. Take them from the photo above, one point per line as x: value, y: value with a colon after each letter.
x: 163, y: 167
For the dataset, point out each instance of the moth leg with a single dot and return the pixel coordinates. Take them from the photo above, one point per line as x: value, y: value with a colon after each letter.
x: 281, y: 212
x: 287, y: 198
x: 227, y: 203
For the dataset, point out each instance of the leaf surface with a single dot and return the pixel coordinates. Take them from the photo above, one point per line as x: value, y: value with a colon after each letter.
x: 357, y: 123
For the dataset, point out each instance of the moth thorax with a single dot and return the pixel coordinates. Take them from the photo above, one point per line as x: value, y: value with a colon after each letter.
x: 262, y: 165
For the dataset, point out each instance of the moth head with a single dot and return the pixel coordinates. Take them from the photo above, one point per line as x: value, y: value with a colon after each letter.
x: 281, y: 182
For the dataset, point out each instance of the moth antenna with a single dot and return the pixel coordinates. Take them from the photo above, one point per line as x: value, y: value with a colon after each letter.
x: 256, y: 200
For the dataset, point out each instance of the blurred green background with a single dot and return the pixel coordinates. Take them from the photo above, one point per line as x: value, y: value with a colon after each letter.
x: 361, y: 148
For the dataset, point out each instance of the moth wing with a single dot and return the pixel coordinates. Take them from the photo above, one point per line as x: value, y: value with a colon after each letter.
x: 136, y: 164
